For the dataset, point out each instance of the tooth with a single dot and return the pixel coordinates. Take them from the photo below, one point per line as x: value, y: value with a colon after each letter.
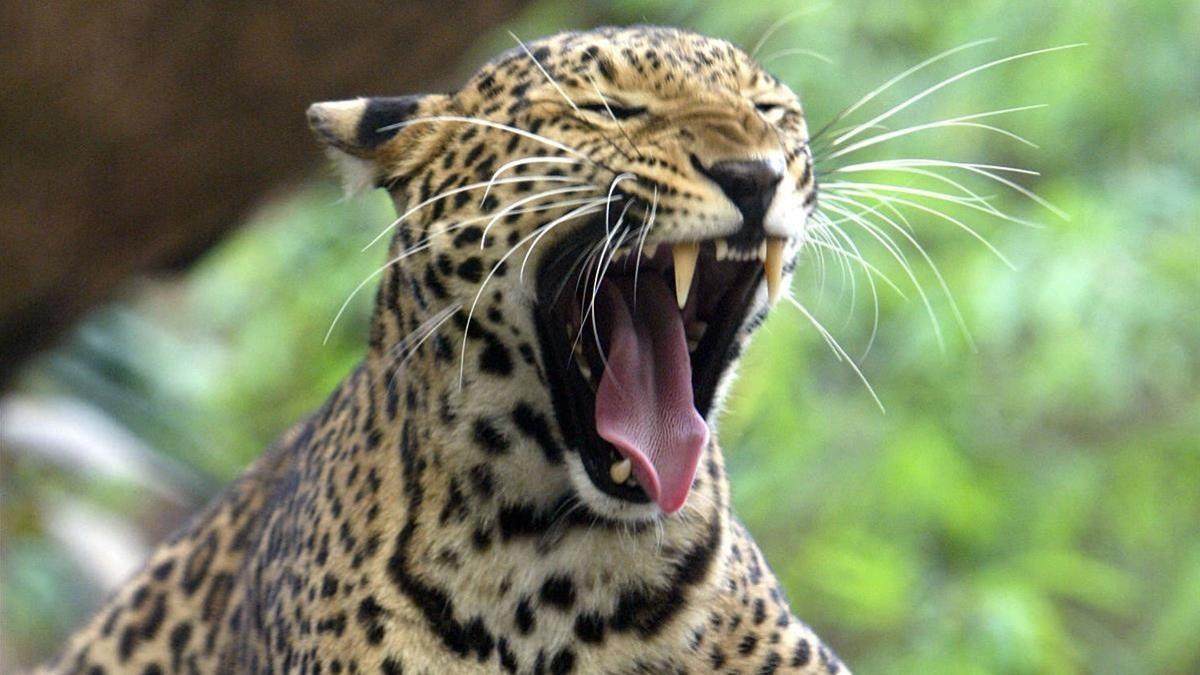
x: 762, y: 251
x: 773, y: 267
x: 649, y: 250
x: 685, y: 266
x: 722, y: 249
x: 619, y: 471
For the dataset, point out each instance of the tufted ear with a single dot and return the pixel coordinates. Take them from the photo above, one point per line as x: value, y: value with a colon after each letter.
x: 366, y: 135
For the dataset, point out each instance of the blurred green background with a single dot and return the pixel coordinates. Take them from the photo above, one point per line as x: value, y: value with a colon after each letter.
x: 1030, y: 500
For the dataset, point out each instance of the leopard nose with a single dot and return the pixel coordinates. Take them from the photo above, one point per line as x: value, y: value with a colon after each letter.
x: 749, y: 184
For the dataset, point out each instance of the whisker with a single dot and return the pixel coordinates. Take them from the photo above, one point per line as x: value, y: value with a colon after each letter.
x: 795, y: 51
x: 783, y: 21
x: 620, y: 127
x: 647, y: 222
x: 982, y: 201
x: 972, y: 203
x: 544, y: 71
x: 987, y: 170
x: 932, y: 211
x: 428, y: 241
x: 883, y: 199
x: 837, y: 350
x: 944, y: 83
x: 400, y: 354
x: 467, y: 188
x: 854, y: 254
x: 612, y: 188
x: 539, y: 159
x: 963, y: 121
x: 617, y: 229
x: 890, y: 246
x: 433, y: 119
x: 525, y: 200
x: 421, y: 246
x: 870, y: 96
x: 597, y: 202
x: 537, y: 232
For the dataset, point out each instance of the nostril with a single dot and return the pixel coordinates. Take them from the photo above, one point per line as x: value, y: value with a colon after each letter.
x: 749, y: 184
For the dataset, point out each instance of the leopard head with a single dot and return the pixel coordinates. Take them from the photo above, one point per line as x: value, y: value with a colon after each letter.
x: 590, y: 229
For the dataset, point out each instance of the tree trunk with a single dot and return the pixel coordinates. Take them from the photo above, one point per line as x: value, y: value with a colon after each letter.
x: 136, y: 133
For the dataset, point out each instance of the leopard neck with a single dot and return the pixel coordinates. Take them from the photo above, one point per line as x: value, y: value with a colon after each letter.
x: 482, y: 498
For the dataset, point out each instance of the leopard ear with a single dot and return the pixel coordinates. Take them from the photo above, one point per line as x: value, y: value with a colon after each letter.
x: 368, y: 137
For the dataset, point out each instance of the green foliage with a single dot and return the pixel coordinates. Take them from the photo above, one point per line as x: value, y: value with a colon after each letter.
x: 1027, y: 504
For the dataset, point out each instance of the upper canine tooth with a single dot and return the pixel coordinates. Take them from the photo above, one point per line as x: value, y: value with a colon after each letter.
x: 773, y: 267
x: 685, y: 254
x: 649, y: 250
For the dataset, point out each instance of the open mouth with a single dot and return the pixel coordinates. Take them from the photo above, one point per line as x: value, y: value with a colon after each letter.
x: 635, y: 353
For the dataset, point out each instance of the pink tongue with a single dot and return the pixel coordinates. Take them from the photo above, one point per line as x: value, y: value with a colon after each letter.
x: 644, y: 404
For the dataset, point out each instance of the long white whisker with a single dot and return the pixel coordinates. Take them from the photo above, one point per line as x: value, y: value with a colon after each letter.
x: 596, y: 202
x: 856, y: 257
x: 870, y: 96
x: 525, y: 200
x: 537, y: 232
x: 467, y: 188
x: 433, y: 119
x: 612, y: 188
x: 963, y: 121
x: 890, y: 246
x: 987, y: 170
x: 543, y: 69
x: 405, y: 348
x: 932, y: 211
x: 796, y: 51
x: 611, y: 114
x: 937, y: 273
x: 647, y: 221
x: 968, y: 202
x: 837, y: 349
x: 783, y: 21
x: 420, y: 246
x: 540, y: 159
x: 985, y: 202
x: 617, y: 230
x: 944, y: 83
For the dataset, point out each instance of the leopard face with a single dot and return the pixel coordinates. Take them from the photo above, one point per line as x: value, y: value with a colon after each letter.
x: 593, y: 224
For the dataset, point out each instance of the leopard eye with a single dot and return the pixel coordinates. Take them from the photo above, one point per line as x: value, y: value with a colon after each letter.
x: 620, y: 112
x: 772, y: 111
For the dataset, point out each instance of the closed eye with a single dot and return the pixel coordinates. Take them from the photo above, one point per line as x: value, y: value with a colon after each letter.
x: 772, y: 112
x: 616, y: 110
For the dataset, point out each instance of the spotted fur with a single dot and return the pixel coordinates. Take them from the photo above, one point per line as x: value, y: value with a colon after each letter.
x: 432, y: 516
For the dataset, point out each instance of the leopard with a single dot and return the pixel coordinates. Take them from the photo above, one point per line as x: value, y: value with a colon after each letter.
x: 523, y: 474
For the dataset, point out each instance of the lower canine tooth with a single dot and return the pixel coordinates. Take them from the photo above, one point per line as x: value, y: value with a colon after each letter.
x: 619, y: 472
x: 773, y: 267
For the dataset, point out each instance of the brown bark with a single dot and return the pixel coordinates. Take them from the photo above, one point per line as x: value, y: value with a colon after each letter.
x: 133, y: 134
